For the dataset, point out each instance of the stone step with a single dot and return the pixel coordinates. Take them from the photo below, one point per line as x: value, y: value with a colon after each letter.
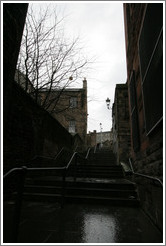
x: 121, y: 184
x: 90, y: 166
x: 82, y: 199
x: 98, y: 181
x: 92, y: 190
x: 101, y: 171
x: 81, y: 191
x: 100, y: 175
x: 97, y: 171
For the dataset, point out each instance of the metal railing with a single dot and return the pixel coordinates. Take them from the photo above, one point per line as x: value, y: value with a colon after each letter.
x: 48, y: 157
x: 95, y: 148
x: 87, y: 155
x: 20, y: 187
x: 144, y: 175
x: 18, y: 200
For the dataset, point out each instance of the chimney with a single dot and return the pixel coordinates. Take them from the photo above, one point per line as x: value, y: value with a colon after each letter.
x: 84, y: 83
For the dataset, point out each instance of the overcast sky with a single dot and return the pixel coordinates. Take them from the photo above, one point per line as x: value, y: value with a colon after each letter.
x: 101, y: 27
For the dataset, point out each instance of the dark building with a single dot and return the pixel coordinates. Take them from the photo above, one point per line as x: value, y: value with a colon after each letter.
x: 144, y: 54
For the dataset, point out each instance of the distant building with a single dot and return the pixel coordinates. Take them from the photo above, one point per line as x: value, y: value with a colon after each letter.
x: 104, y: 137
x: 69, y: 107
x: 94, y: 138
x: 120, y: 124
x: 91, y: 139
x: 144, y: 54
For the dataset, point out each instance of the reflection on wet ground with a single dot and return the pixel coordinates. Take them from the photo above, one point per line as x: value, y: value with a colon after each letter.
x: 85, y: 223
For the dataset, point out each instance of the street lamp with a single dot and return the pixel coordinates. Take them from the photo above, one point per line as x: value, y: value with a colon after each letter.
x: 108, y: 103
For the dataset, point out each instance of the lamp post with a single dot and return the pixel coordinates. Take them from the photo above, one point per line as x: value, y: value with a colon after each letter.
x: 101, y: 141
x: 108, y: 101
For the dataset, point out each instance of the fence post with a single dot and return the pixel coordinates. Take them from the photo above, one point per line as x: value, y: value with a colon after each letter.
x: 63, y: 188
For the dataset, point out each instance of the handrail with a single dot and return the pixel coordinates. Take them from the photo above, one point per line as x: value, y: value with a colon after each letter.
x: 76, y: 148
x: 48, y: 157
x: 32, y: 169
x: 143, y: 175
x: 21, y: 182
x: 42, y: 168
x: 18, y: 200
x: 71, y: 159
x: 88, y: 151
x: 95, y: 148
x: 58, y: 153
x: 11, y: 171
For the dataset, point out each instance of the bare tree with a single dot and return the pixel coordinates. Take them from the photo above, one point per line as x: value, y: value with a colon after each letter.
x: 48, y: 60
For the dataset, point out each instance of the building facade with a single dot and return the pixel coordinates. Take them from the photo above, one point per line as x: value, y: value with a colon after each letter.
x: 94, y: 138
x: 91, y: 139
x: 69, y: 107
x: 120, y: 124
x: 104, y: 137
x: 144, y: 55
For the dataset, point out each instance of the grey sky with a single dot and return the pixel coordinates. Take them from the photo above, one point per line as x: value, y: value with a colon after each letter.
x: 101, y: 29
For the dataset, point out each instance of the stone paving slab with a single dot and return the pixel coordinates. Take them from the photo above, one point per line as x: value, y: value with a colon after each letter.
x: 87, y: 223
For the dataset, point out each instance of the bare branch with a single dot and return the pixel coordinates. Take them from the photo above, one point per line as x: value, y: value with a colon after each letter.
x: 47, y: 58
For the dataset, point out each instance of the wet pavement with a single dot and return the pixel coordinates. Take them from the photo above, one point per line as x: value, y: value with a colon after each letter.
x: 87, y: 223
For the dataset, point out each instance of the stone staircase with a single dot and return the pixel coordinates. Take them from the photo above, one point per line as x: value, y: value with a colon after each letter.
x: 100, y: 202
x: 99, y: 180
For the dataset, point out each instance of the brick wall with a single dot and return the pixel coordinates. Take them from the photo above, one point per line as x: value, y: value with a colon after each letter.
x: 146, y: 147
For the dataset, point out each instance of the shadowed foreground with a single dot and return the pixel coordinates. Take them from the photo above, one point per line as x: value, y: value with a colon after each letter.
x: 84, y: 223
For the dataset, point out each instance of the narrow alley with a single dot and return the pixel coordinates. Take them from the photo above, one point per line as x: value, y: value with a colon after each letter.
x: 98, y: 208
x: 73, y: 173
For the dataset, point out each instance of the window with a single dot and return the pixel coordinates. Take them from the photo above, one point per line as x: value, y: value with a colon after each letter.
x: 73, y: 102
x: 72, y: 126
x: 151, y: 62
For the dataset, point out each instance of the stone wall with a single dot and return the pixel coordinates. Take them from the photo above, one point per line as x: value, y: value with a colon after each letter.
x: 14, y: 15
x: 31, y: 131
x: 28, y: 130
x: 121, y: 127
x: 150, y: 162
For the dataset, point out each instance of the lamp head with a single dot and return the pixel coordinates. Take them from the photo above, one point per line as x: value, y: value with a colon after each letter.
x: 108, y: 102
